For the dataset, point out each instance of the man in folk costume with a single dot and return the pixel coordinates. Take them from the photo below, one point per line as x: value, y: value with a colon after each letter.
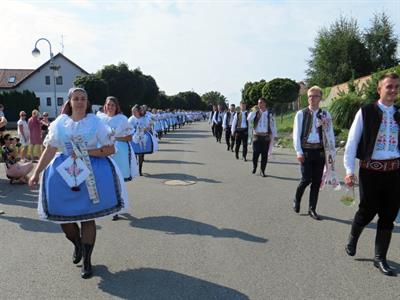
x: 308, y: 143
x: 217, y: 120
x: 374, y: 139
x: 239, y: 130
x: 264, y: 129
x: 210, y: 120
x: 227, y: 127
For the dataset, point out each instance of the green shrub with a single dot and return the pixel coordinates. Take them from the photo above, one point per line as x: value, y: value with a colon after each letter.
x: 344, y: 108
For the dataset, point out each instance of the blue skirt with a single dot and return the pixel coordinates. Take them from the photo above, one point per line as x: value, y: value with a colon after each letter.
x: 58, y: 203
x: 146, y: 147
x: 126, y: 160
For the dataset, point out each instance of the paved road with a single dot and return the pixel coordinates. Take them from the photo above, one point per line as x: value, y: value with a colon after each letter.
x: 231, y: 235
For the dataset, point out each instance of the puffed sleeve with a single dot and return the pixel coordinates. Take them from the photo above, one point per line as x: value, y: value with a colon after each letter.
x: 103, y: 134
x: 124, y: 127
x: 54, y: 136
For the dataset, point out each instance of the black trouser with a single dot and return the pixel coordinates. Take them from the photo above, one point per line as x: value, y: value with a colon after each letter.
x: 230, y: 140
x: 379, y: 194
x: 241, y: 137
x: 260, y: 146
x: 311, y: 172
x: 218, y: 131
x: 213, y: 129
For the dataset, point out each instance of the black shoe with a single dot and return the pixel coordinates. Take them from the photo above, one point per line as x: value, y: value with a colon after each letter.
x: 244, y: 158
x: 382, y: 242
x: 115, y: 218
x: 312, y: 213
x: 128, y: 179
x: 86, y: 271
x: 228, y: 148
x: 77, y: 255
x: 231, y: 149
x: 254, y: 171
x: 354, y: 235
x: 262, y: 174
x: 296, y: 206
x: 237, y: 156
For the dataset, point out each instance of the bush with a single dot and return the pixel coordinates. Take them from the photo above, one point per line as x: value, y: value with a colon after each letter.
x: 15, y: 101
x: 344, y: 108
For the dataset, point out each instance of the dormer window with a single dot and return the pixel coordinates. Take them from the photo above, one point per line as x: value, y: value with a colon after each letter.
x: 11, y: 79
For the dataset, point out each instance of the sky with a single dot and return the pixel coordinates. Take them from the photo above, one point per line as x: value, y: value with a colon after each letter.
x: 185, y: 45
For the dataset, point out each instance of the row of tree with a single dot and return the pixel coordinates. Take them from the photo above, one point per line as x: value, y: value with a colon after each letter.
x: 133, y: 87
x: 342, y: 51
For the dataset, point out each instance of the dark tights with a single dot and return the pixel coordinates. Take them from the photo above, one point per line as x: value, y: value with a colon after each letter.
x: 87, y: 234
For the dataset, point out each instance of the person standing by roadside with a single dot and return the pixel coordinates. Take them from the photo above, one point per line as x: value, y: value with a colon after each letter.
x: 264, y: 129
x: 227, y: 126
x: 35, y: 135
x: 308, y: 143
x: 374, y: 138
x: 3, y: 122
x: 44, y: 127
x: 240, y: 130
x: 23, y: 135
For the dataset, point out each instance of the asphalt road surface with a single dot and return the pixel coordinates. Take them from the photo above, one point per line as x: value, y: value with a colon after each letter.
x: 227, y: 235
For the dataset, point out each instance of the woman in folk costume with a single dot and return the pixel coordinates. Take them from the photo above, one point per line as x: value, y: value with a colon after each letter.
x: 142, y: 139
x: 80, y: 183
x: 124, y: 155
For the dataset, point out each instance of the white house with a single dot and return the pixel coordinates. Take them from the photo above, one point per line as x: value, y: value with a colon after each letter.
x: 41, y: 82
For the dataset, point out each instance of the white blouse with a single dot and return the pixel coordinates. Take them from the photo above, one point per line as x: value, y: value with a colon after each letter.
x: 91, y: 129
x: 119, y: 124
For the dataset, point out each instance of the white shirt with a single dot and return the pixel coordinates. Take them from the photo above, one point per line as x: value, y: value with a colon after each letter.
x: 262, y: 126
x: 119, y: 124
x: 235, y: 120
x: 386, y: 140
x: 25, y: 128
x: 224, y: 125
x: 220, y: 117
x: 313, y: 138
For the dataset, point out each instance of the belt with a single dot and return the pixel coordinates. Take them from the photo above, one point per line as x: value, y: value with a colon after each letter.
x: 381, y: 165
x: 261, y: 133
x: 312, y: 146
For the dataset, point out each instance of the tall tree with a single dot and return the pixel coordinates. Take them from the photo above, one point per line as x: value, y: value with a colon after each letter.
x: 214, y: 98
x: 279, y: 92
x: 96, y: 88
x: 381, y: 43
x: 252, y: 91
x: 338, y: 52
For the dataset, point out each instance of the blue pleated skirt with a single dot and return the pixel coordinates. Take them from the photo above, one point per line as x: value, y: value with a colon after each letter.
x: 58, y: 203
x: 146, y: 147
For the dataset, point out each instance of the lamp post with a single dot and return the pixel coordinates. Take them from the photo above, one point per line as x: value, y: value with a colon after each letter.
x: 53, y: 67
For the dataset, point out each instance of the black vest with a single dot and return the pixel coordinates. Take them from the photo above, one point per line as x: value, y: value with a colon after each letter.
x: 307, y: 125
x: 372, y: 119
x: 228, y: 118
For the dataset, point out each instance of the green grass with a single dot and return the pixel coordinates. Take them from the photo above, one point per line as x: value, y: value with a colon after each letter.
x: 284, y: 124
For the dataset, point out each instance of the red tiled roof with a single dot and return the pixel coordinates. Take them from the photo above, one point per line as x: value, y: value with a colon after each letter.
x: 20, y: 75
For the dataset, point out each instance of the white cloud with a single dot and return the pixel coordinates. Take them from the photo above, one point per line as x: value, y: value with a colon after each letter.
x: 202, y: 45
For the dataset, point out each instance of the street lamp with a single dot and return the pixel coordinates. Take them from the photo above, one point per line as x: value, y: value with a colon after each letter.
x: 53, y: 67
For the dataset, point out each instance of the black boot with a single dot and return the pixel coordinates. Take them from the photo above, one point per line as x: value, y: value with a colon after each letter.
x: 355, y: 233
x: 382, y: 242
x: 77, y: 255
x: 86, y: 271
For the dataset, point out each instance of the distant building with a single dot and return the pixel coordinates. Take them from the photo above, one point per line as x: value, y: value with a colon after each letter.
x: 40, y: 81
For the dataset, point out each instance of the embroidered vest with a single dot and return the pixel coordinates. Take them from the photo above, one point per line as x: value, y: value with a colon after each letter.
x: 258, y: 117
x: 372, y: 118
x: 239, y: 120
x: 307, y: 126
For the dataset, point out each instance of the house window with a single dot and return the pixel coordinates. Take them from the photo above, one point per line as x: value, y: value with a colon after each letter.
x: 11, y: 79
x: 60, y: 101
x: 47, y: 80
x: 48, y: 101
x: 59, y: 80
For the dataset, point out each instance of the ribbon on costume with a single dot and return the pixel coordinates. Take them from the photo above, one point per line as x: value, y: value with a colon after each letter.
x: 79, y: 147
